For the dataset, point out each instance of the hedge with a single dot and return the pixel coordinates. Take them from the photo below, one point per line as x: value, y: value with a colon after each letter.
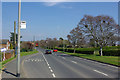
x: 111, y: 53
x: 107, y: 51
x: 82, y: 51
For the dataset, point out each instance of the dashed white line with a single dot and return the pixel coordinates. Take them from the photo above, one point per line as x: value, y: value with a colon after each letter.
x: 51, y: 70
x: 49, y: 66
x: 63, y: 58
x: 74, y: 62
x: 100, y: 72
x: 32, y: 60
x: 53, y: 75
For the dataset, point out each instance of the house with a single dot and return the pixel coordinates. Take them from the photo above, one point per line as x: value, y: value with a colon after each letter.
x: 118, y: 43
x: 4, y: 43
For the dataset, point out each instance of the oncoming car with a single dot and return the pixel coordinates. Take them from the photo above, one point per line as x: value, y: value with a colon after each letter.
x: 48, y: 52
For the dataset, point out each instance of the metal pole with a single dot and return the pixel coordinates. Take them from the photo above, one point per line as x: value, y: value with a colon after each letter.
x: 63, y: 46
x: 15, y: 36
x: 18, y: 56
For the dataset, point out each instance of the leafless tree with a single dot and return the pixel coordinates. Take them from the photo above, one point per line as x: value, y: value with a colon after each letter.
x: 100, y: 28
x: 75, y: 37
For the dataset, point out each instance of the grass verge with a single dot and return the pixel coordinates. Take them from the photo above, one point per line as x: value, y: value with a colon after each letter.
x: 6, y: 61
x: 21, y: 54
x: 28, y: 53
x: 106, y: 59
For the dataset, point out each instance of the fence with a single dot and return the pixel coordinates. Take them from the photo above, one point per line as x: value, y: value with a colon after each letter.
x: 8, y: 54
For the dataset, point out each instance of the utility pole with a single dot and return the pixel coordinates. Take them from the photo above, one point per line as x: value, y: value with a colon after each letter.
x: 63, y: 46
x: 33, y: 38
x: 18, y: 54
x: 15, y: 36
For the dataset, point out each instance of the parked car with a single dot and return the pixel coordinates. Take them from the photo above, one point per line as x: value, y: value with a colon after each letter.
x: 55, y: 50
x: 48, y: 52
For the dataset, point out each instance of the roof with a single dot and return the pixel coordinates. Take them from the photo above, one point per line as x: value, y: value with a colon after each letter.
x: 4, y: 41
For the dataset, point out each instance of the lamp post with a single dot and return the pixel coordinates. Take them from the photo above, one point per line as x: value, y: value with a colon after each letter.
x: 18, y: 54
x: 15, y: 37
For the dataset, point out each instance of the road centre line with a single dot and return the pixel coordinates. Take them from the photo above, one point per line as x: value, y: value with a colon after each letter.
x: 49, y: 66
x: 51, y: 70
x: 100, y: 72
x: 53, y: 75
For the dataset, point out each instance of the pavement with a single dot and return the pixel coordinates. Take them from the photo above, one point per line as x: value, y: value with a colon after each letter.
x: 0, y: 76
x: 59, y: 65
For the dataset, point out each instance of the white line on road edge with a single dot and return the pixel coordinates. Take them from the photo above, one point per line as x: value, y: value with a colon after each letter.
x: 63, y: 58
x: 74, y: 62
x: 100, y: 72
x: 97, y: 62
x: 49, y: 66
x: 53, y: 75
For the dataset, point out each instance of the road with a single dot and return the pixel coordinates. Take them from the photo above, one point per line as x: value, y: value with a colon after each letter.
x: 59, y: 65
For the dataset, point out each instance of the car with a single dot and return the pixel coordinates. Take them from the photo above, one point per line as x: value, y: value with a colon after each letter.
x: 55, y: 50
x: 48, y: 52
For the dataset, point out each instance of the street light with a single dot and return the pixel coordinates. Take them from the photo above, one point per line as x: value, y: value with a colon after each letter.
x: 18, y: 55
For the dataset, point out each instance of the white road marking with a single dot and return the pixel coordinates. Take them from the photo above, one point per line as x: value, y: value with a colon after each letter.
x: 100, y: 72
x: 63, y: 58
x: 74, y: 62
x: 36, y: 60
x: 112, y: 66
x: 51, y: 70
x: 64, y: 54
x: 49, y: 66
x: 32, y: 60
x: 53, y: 75
x: 97, y: 62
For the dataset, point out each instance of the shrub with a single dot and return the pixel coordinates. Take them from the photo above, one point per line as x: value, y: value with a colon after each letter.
x: 107, y: 51
x: 78, y: 50
x: 111, y: 52
x: 26, y: 46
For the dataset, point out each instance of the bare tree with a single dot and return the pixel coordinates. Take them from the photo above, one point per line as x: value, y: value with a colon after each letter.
x: 100, y: 28
x: 75, y: 37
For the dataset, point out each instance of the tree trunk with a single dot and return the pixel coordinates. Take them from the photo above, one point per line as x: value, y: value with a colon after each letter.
x: 101, y: 54
x: 67, y: 49
x: 74, y: 49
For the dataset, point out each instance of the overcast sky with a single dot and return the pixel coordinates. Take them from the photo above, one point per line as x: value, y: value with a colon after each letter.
x: 56, y: 19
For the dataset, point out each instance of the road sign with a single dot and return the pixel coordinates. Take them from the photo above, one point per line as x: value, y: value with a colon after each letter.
x: 23, y: 24
x: 3, y: 49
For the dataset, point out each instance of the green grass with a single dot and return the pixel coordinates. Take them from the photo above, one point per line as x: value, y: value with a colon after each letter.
x: 92, y: 48
x: 6, y: 61
x: 28, y: 53
x: 0, y: 65
x: 106, y: 59
x: 21, y: 54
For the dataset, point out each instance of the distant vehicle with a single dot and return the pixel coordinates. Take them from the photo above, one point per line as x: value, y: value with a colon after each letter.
x: 48, y: 52
x: 55, y: 50
x: 36, y: 45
